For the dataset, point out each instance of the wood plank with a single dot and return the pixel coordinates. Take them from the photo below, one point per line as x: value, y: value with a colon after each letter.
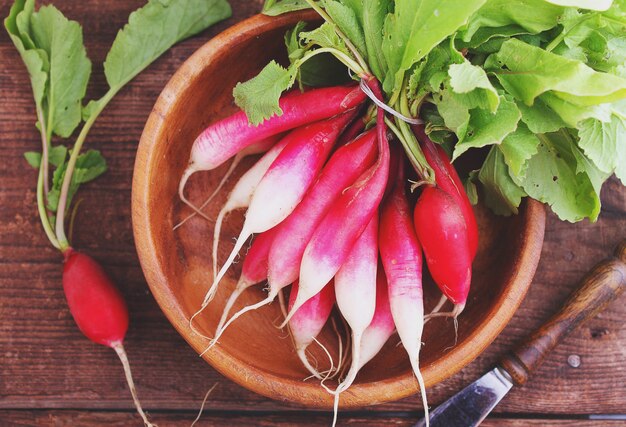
x: 46, y: 363
x: 115, y: 419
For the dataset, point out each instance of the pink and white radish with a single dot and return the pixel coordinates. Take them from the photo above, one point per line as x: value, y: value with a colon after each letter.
x: 342, y: 170
x: 355, y: 291
x: 401, y: 255
x: 241, y: 194
x: 286, y: 182
x: 253, y: 270
x: 258, y: 148
x: 293, y: 234
x: 225, y: 138
x: 306, y: 324
x: 337, y: 233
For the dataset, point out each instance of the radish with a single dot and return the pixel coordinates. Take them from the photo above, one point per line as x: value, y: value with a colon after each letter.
x: 98, y: 309
x: 448, y: 180
x: 306, y: 324
x: 441, y: 227
x: 401, y: 255
x: 241, y: 194
x: 343, y: 168
x: 381, y: 327
x: 253, y: 270
x: 286, y: 181
x: 225, y: 138
x: 355, y: 290
x: 292, y: 235
x: 258, y: 148
x: 335, y: 236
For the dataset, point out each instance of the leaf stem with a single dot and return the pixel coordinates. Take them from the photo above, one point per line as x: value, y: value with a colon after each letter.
x: 345, y: 59
x: 347, y: 41
x: 43, y: 213
x: 45, y: 157
x: 71, y: 164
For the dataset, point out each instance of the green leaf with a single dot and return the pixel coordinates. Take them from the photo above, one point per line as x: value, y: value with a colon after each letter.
x: 89, y: 166
x: 69, y: 72
x: 540, y: 118
x: 470, y: 188
x: 502, y: 194
x: 35, y: 60
x: 259, y: 96
x: 605, y: 143
x: 519, y: 147
x: 574, y: 114
x: 278, y: 7
x: 532, y: 16
x: 555, y: 176
x: 347, y: 21
x: 528, y: 71
x: 324, y: 36
x: 33, y: 158
x: 374, y: 13
x: 472, y: 81
x: 584, y: 4
x: 153, y: 29
x: 486, y: 128
x: 413, y: 30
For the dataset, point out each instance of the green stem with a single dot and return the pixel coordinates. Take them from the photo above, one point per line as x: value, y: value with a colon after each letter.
x: 345, y: 59
x: 71, y: 164
x: 347, y: 41
x: 557, y: 41
x: 45, y: 157
x: 43, y: 213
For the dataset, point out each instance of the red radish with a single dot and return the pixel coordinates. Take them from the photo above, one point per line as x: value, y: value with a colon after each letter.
x: 342, y: 170
x: 98, y: 308
x: 241, y: 194
x: 441, y: 227
x: 355, y: 290
x: 292, y: 235
x: 448, y: 180
x: 335, y: 236
x: 253, y: 270
x: 258, y: 148
x: 352, y: 132
x: 401, y: 255
x: 308, y: 321
x: 286, y: 182
x: 225, y: 138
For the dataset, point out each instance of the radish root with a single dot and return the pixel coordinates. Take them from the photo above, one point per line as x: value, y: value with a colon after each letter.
x: 121, y: 353
x: 181, y: 192
x: 206, y: 396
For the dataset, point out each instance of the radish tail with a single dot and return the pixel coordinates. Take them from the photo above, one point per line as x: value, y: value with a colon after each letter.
x: 206, y: 396
x: 282, y: 303
x: 121, y: 353
x: 305, y: 361
x: 227, y: 175
x: 241, y: 286
x: 217, y: 230
x: 241, y: 312
x: 436, y: 309
x: 241, y: 240
x: 181, y: 192
x: 420, y: 381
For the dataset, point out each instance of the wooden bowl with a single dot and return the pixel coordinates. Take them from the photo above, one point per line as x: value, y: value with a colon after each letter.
x: 253, y: 353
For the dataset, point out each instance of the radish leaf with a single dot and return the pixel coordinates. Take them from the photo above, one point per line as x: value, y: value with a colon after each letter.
x: 502, y: 194
x: 153, y: 29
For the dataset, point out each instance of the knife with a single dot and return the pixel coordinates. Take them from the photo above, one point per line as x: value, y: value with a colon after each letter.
x: 471, y: 405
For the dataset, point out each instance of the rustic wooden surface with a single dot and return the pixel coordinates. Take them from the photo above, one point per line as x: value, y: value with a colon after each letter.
x: 51, y: 375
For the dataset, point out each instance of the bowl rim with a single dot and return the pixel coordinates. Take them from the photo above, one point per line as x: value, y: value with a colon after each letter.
x: 258, y: 380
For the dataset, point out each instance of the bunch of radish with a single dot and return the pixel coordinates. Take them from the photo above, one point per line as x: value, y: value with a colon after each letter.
x: 328, y: 207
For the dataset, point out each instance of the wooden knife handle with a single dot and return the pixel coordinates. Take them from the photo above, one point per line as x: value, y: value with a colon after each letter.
x: 597, y: 289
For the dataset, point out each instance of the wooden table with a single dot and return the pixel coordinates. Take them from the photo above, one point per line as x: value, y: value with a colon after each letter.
x: 51, y: 375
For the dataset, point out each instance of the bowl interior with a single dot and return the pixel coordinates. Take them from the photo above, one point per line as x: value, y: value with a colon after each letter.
x: 253, y: 352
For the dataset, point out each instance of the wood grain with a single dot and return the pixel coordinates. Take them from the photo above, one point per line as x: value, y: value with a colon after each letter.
x: 601, y: 286
x: 45, y: 363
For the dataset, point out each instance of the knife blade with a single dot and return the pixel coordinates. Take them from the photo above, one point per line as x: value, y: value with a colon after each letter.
x: 468, y: 408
